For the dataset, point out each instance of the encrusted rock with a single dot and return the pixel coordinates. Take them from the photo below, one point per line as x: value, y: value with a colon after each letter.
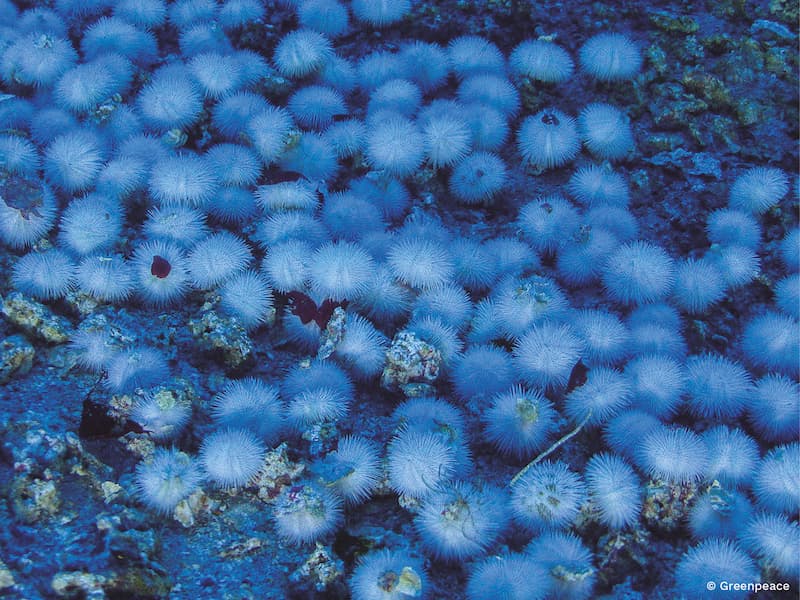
x: 240, y: 549
x: 621, y: 553
x: 34, y: 499
x: 672, y: 23
x: 131, y: 583
x: 16, y: 357
x: 666, y: 505
x: 110, y: 490
x: 333, y: 333
x: 35, y: 319
x: 321, y: 437
x: 320, y: 570
x: 138, y: 444
x: 277, y: 472
x: 77, y: 584
x: 41, y: 450
x: 190, y: 509
x: 6, y: 577
x: 84, y: 303
x: 222, y: 336
x: 410, y: 361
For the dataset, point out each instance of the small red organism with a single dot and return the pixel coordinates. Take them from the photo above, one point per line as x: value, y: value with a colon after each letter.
x: 578, y: 376
x: 306, y: 309
x: 160, y: 267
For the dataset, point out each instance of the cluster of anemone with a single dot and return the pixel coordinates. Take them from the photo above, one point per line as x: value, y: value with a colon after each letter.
x: 256, y: 212
x: 250, y: 416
